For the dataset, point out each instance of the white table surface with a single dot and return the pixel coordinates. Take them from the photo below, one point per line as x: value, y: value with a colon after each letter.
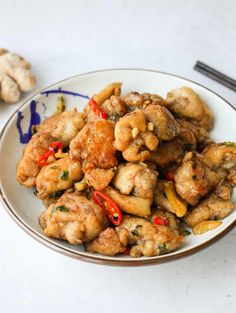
x: 63, y: 38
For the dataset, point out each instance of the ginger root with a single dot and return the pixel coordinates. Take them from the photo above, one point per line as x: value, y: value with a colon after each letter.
x: 15, y: 76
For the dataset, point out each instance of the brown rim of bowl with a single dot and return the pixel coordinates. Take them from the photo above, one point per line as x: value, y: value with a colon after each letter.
x: 96, y: 259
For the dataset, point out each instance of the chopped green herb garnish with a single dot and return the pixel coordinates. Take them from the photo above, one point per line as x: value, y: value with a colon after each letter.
x: 114, y: 117
x: 135, y: 231
x: 61, y: 208
x: 186, y: 233
x: 64, y: 175
x: 229, y: 144
x: 66, y: 149
x: 53, y: 167
x: 188, y: 146
x: 114, y: 169
x: 162, y: 248
x: 60, y: 104
x: 55, y: 194
x: 33, y: 130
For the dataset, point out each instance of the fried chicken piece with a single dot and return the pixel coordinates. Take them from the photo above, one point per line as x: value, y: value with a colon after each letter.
x: 165, y: 126
x: 63, y: 126
x: 194, y: 178
x: 215, y: 206
x: 130, y: 204
x: 167, y: 152
x: 107, y: 92
x: 173, y: 151
x: 200, y: 133
x: 173, y: 221
x: 185, y: 103
x: 109, y: 242
x: 147, y: 239
x: 221, y: 154
x: 73, y: 218
x: 109, y: 101
x: 134, y: 99
x: 52, y: 198
x: 223, y: 157
x: 114, y: 107
x: 57, y: 176
x: 231, y: 177
x: 99, y: 178
x: 28, y: 167
x: 94, y: 145
x: 132, y: 137
x: 135, y: 178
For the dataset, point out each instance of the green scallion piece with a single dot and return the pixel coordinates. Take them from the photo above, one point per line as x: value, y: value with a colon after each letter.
x: 186, y: 232
x: 64, y: 175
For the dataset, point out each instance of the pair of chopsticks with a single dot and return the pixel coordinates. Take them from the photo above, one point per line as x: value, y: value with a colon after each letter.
x: 216, y: 75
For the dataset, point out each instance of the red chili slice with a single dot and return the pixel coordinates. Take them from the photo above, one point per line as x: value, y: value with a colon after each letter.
x: 53, y: 148
x: 161, y: 221
x: 127, y: 251
x: 170, y: 176
x: 96, y: 109
x: 43, y: 159
x: 113, y: 211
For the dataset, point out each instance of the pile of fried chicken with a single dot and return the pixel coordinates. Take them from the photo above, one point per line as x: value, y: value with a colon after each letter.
x: 130, y: 174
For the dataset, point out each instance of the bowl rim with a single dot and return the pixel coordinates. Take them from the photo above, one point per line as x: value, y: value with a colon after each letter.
x: 97, y: 259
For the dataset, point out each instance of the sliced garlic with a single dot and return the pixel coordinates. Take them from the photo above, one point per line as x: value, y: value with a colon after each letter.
x: 135, y: 132
x: 150, y: 126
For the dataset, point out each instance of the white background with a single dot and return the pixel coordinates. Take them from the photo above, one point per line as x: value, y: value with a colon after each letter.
x: 63, y: 38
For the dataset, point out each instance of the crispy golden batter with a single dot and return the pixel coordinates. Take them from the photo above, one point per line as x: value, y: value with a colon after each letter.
x: 172, y: 219
x: 135, y: 99
x: 223, y: 157
x: 28, y: 168
x: 184, y: 102
x: 169, y: 152
x: 148, y: 239
x: 194, y: 178
x: 221, y: 154
x: 63, y: 126
x: 73, y: 218
x: 137, y: 179
x: 57, y: 176
x: 130, y: 204
x: 165, y: 126
x: 200, y: 133
x: 132, y: 138
x: 114, y: 107
x: 109, y: 242
x: 216, y: 206
x: 107, y: 92
x: 109, y: 101
x: 94, y: 145
x: 99, y: 178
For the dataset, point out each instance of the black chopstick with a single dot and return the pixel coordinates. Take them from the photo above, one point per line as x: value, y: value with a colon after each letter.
x: 216, y: 75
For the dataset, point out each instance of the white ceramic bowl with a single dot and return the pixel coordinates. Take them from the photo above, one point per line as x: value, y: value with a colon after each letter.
x: 25, y: 208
